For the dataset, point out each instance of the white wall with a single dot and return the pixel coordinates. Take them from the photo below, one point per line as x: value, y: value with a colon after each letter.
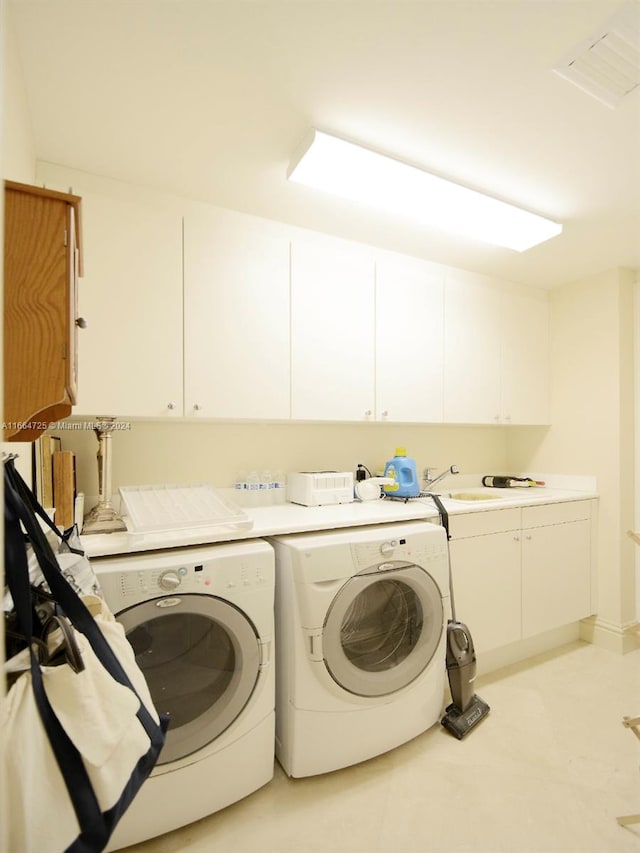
x: 592, y: 394
x: 18, y: 148
x: 17, y: 155
x: 191, y: 452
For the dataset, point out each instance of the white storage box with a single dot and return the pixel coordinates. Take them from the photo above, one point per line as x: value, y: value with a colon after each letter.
x: 320, y: 488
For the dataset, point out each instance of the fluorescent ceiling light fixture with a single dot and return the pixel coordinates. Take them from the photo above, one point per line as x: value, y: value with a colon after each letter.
x: 344, y: 169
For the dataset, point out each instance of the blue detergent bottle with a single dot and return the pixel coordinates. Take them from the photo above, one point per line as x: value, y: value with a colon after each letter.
x: 402, y: 469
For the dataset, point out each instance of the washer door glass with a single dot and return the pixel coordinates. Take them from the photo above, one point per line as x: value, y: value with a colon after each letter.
x: 200, y: 656
x: 382, y: 630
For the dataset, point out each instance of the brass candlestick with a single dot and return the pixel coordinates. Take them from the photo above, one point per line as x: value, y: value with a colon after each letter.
x: 103, y: 518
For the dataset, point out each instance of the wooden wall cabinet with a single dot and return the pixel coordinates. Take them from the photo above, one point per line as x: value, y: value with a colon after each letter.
x: 42, y: 262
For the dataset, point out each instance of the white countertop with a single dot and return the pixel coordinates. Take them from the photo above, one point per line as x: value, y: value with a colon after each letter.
x: 291, y: 518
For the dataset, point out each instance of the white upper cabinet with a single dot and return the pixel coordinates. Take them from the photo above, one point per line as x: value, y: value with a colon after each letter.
x: 193, y: 310
x: 236, y: 302
x: 496, y: 361
x: 332, y: 330
x: 525, y: 357
x: 409, y: 340
x: 471, y: 350
x: 130, y: 354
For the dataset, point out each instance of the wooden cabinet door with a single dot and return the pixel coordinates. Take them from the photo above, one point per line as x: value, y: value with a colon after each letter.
x: 332, y: 331
x: 487, y: 587
x: 236, y: 270
x: 41, y: 255
x: 409, y: 340
x: 556, y: 576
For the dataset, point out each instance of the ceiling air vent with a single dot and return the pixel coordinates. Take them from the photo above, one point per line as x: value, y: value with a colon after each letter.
x: 607, y: 65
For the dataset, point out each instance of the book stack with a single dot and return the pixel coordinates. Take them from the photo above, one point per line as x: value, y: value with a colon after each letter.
x: 55, y: 476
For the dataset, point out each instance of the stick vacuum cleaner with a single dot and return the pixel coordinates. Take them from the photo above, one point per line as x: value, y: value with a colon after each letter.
x: 467, y: 709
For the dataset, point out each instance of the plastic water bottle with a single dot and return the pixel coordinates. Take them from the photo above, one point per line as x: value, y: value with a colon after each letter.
x: 253, y: 488
x: 266, y: 488
x: 240, y: 487
x: 279, y: 486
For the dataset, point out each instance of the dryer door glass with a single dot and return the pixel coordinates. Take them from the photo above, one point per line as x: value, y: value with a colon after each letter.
x: 382, y: 630
x: 200, y: 656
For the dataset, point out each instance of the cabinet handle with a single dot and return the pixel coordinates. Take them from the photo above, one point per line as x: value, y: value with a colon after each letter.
x: 516, y: 538
x: 528, y: 536
x: 385, y: 414
x: 197, y: 407
x: 367, y: 414
x: 81, y: 323
x: 171, y: 406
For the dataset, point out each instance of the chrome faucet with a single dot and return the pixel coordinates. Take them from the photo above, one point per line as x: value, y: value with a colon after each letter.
x: 429, y: 481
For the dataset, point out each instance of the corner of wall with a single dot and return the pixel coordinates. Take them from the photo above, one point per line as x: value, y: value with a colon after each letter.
x: 18, y: 144
x: 615, y: 638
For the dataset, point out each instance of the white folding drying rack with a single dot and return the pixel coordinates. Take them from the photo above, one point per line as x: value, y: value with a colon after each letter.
x: 167, y: 509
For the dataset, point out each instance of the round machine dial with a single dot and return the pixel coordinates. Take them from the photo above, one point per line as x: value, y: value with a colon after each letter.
x: 169, y: 580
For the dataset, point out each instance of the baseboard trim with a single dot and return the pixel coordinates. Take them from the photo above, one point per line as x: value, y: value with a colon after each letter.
x: 490, y: 661
x: 609, y: 635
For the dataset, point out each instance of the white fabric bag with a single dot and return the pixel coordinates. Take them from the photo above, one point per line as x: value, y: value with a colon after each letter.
x: 98, y: 715
x: 79, y: 738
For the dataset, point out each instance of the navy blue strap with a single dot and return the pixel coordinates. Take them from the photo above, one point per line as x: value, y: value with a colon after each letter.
x: 96, y: 827
x: 32, y: 503
x: 69, y: 760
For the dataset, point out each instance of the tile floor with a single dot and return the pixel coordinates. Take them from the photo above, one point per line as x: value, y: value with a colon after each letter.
x: 547, y: 771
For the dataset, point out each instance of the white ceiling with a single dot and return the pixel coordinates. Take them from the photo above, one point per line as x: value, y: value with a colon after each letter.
x: 211, y: 98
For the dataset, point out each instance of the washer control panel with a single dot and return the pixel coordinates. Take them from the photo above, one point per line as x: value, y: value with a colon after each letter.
x: 218, y: 570
x: 421, y: 550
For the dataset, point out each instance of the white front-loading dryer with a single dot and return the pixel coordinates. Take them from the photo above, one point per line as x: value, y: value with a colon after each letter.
x: 361, y: 617
x: 201, y: 623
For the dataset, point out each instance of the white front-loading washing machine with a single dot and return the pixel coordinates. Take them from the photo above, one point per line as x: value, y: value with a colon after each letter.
x: 201, y: 623
x: 361, y: 616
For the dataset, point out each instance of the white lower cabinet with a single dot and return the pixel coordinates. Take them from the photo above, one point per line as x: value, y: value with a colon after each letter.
x: 487, y: 587
x: 556, y: 565
x: 519, y: 572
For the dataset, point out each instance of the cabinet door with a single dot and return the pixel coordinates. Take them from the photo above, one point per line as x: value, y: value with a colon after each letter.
x: 236, y: 270
x: 472, y: 332
x: 487, y: 587
x: 556, y: 576
x: 40, y: 270
x: 409, y: 340
x: 332, y: 331
x: 525, y: 358
x: 130, y: 354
